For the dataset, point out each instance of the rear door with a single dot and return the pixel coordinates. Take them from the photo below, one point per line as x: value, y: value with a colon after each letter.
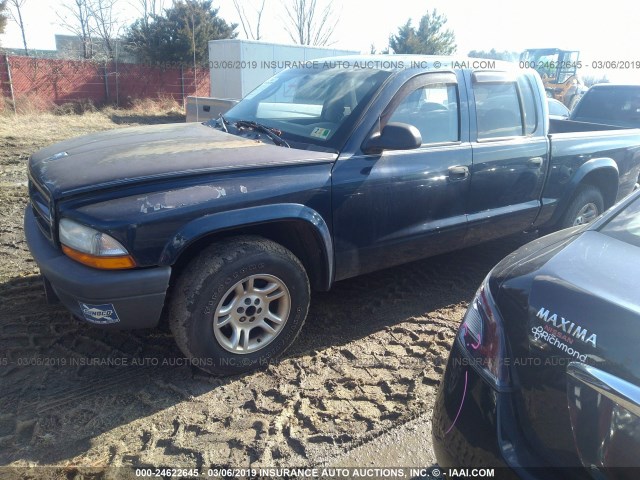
x: 510, y: 155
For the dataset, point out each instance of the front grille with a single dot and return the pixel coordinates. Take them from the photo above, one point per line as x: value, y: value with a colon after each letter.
x: 41, y: 206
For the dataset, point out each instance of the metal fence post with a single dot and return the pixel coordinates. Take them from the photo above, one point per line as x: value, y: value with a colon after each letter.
x: 13, y: 98
x: 182, y: 83
x: 117, y: 80
x: 106, y: 83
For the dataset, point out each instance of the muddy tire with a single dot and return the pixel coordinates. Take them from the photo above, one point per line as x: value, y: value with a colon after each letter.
x: 239, y: 305
x: 585, y: 207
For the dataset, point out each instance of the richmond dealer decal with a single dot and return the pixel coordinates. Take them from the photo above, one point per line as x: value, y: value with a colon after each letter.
x: 561, y: 333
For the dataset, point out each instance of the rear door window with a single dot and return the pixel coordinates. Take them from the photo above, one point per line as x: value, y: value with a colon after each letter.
x: 498, y: 111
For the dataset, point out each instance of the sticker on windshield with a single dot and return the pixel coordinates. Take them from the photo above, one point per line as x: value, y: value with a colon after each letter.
x: 322, y: 133
x: 101, y: 314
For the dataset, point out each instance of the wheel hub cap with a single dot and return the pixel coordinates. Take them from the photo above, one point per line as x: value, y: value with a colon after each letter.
x: 251, y: 314
x: 586, y: 214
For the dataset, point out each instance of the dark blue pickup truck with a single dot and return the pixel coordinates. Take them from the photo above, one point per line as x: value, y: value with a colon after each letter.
x: 324, y: 172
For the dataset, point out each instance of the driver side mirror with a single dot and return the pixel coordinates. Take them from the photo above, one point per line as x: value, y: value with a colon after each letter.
x: 394, y: 136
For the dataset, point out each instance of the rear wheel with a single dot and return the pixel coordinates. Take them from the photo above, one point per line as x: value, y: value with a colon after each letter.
x: 585, y: 207
x: 239, y: 305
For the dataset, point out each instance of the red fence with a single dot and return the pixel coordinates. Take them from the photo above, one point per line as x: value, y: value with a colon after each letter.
x: 54, y: 81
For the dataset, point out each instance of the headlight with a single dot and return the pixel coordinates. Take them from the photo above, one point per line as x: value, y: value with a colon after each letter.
x: 93, y: 248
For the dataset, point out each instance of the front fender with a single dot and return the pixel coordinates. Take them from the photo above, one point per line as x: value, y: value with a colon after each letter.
x: 249, y: 217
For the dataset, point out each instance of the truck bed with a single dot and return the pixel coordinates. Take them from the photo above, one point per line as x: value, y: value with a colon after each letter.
x: 574, y: 146
x: 572, y: 126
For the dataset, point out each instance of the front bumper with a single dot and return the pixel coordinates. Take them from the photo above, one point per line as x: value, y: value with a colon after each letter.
x: 124, y: 299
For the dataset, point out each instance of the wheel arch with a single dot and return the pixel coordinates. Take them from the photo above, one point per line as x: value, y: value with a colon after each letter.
x: 296, y: 227
x: 601, y: 173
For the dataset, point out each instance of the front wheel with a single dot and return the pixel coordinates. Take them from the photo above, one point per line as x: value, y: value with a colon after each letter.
x: 239, y: 305
x: 585, y: 207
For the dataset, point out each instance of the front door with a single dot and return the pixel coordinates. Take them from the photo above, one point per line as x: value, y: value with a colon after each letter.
x: 400, y: 206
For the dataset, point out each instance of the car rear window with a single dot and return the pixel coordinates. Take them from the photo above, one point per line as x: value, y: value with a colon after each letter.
x: 626, y: 225
x: 610, y: 105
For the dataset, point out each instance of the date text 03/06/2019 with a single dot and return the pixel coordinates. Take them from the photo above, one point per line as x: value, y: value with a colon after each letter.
x: 316, y: 472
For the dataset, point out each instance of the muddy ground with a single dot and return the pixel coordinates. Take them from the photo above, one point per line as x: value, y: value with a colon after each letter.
x: 369, y: 358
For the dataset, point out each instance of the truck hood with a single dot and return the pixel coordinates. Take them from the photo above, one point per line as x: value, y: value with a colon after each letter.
x: 138, y: 154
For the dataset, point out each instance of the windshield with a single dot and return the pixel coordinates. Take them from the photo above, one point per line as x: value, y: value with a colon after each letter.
x: 625, y: 225
x: 311, y: 106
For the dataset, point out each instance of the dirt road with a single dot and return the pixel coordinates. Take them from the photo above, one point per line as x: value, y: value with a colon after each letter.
x: 369, y: 359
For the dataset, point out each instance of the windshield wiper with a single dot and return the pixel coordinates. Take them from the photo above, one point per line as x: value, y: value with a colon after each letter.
x: 272, y: 133
x: 224, y: 122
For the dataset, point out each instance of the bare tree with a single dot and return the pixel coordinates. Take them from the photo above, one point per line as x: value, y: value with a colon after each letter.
x: 75, y: 16
x: 251, y: 32
x: 104, y: 23
x: 15, y: 11
x: 148, y: 9
x: 308, y: 24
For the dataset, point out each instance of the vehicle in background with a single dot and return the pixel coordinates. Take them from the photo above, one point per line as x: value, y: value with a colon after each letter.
x: 237, y: 66
x: 322, y: 173
x: 544, y: 372
x: 610, y: 104
x: 557, y: 110
x: 202, y: 109
x: 559, y: 72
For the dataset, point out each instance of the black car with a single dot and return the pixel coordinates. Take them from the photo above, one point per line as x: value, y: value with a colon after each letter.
x: 543, y: 378
x: 610, y: 104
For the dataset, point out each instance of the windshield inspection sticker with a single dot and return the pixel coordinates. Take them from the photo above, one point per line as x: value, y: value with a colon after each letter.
x: 100, y: 314
x: 322, y: 133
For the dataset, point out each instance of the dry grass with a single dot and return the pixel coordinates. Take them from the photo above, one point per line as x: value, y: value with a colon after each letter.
x: 32, y: 105
x: 23, y: 134
x: 25, y: 105
x: 162, y: 105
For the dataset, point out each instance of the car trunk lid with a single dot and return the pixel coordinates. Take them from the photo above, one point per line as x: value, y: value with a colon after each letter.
x: 583, y: 307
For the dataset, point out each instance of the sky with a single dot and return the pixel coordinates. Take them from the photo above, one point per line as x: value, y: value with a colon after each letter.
x: 603, y: 33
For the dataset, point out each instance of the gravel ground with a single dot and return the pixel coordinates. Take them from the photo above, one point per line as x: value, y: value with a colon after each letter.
x: 365, y: 367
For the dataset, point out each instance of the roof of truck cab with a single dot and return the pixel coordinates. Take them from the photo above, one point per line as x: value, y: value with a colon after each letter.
x: 425, y: 62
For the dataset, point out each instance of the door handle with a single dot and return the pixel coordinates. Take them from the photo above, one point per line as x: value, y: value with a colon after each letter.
x: 459, y: 172
x: 535, y: 162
